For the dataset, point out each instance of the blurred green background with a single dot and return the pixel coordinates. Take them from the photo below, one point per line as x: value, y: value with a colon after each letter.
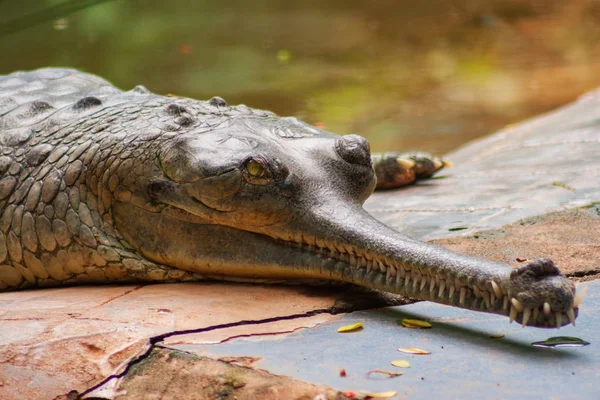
x: 406, y: 74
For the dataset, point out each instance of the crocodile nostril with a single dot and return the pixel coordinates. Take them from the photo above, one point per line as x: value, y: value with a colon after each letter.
x: 354, y: 149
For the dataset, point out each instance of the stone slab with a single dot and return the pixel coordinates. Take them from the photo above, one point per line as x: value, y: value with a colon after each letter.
x: 547, y: 164
x: 53, y: 341
x: 465, y: 363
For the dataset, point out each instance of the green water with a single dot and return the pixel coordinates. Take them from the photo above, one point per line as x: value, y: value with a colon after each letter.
x: 405, y: 74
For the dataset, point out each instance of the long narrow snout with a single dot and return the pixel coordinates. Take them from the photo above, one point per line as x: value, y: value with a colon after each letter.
x: 351, y: 246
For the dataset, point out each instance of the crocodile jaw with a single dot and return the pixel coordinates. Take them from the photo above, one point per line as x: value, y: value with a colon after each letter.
x: 370, y: 253
x: 354, y: 247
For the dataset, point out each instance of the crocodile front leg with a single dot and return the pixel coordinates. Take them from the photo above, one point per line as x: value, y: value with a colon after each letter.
x: 396, y: 170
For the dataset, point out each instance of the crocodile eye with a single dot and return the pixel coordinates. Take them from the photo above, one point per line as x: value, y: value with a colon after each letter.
x: 255, y: 169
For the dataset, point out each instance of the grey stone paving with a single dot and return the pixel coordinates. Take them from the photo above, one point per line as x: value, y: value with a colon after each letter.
x: 465, y: 363
x: 547, y: 164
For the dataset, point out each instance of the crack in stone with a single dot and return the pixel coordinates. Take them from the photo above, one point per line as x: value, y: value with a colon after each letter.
x: 583, y: 274
x: 118, y: 296
x: 355, y: 299
x: 246, y: 335
x: 155, y: 341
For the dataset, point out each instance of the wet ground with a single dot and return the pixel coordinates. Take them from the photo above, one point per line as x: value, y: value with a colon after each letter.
x: 427, y: 75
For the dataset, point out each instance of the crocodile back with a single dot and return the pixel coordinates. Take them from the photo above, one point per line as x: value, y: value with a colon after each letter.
x: 60, y: 131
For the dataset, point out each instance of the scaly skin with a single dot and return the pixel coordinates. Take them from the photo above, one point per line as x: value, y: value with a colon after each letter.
x: 99, y: 185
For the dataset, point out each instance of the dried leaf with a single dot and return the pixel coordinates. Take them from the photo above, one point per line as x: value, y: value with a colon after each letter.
x: 413, y: 350
x: 415, y: 323
x: 343, y: 372
x: 496, y: 335
x: 381, y: 395
x: 401, y: 363
x: 350, y: 328
x: 381, y: 371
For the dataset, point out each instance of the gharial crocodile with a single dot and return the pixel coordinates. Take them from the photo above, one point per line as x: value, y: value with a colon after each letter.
x: 101, y: 185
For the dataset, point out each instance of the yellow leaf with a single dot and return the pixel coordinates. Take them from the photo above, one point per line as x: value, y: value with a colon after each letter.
x: 381, y: 395
x: 496, y: 335
x: 350, y: 328
x: 401, y: 363
x: 413, y: 350
x: 382, y: 371
x: 415, y: 323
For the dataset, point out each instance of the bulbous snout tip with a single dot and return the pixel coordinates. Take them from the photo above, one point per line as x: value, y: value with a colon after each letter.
x: 354, y: 149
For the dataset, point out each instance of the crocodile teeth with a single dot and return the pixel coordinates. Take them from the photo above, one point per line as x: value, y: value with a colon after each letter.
x: 423, y: 283
x: 407, y: 279
x: 463, y: 294
x: 432, y: 285
x: 517, y: 304
x: 492, y: 298
x: 536, y: 313
x: 547, y: 309
x: 526, y: 315
x: 451, y: 291
x: 505, y: 303
x: 486, y: 298
x: 388, y: 275
x: 381, y: 266
x: 558, y: 319
x: 401, y: 271
x: 476, y: 291
x: 415, y: 283
x: 571, y: 316
x: 497, y: 290
x: 442, y: 288
x: 513, y: 314
x: 369, y: 266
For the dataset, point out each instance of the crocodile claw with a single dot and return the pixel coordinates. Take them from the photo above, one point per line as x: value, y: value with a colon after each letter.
x: 396, y: 170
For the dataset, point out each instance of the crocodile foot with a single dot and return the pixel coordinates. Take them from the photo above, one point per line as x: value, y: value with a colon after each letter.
x: 395, y: 170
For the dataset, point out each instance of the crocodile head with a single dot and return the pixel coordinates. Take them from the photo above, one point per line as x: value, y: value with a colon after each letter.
x: 273, y: 198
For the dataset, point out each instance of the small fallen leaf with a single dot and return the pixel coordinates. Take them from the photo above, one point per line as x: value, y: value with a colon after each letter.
x: 381, y: 395
x: 561, y: 341
x: 496, y: 335
x: 415, y: 323
x: 413, y: 350
x: 401, y: 363
x: 381, y: 371
x: 342, y: 372
x: 519, y: 259
x: 350, y: 328
x: 562, y: 185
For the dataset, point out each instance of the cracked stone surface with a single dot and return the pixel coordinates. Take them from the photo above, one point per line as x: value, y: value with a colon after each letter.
x: 172, y: 374
x: 54, y: 341
x: 465, y: 362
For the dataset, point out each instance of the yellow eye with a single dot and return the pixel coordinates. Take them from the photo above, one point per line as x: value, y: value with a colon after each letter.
x: 255, y: 169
